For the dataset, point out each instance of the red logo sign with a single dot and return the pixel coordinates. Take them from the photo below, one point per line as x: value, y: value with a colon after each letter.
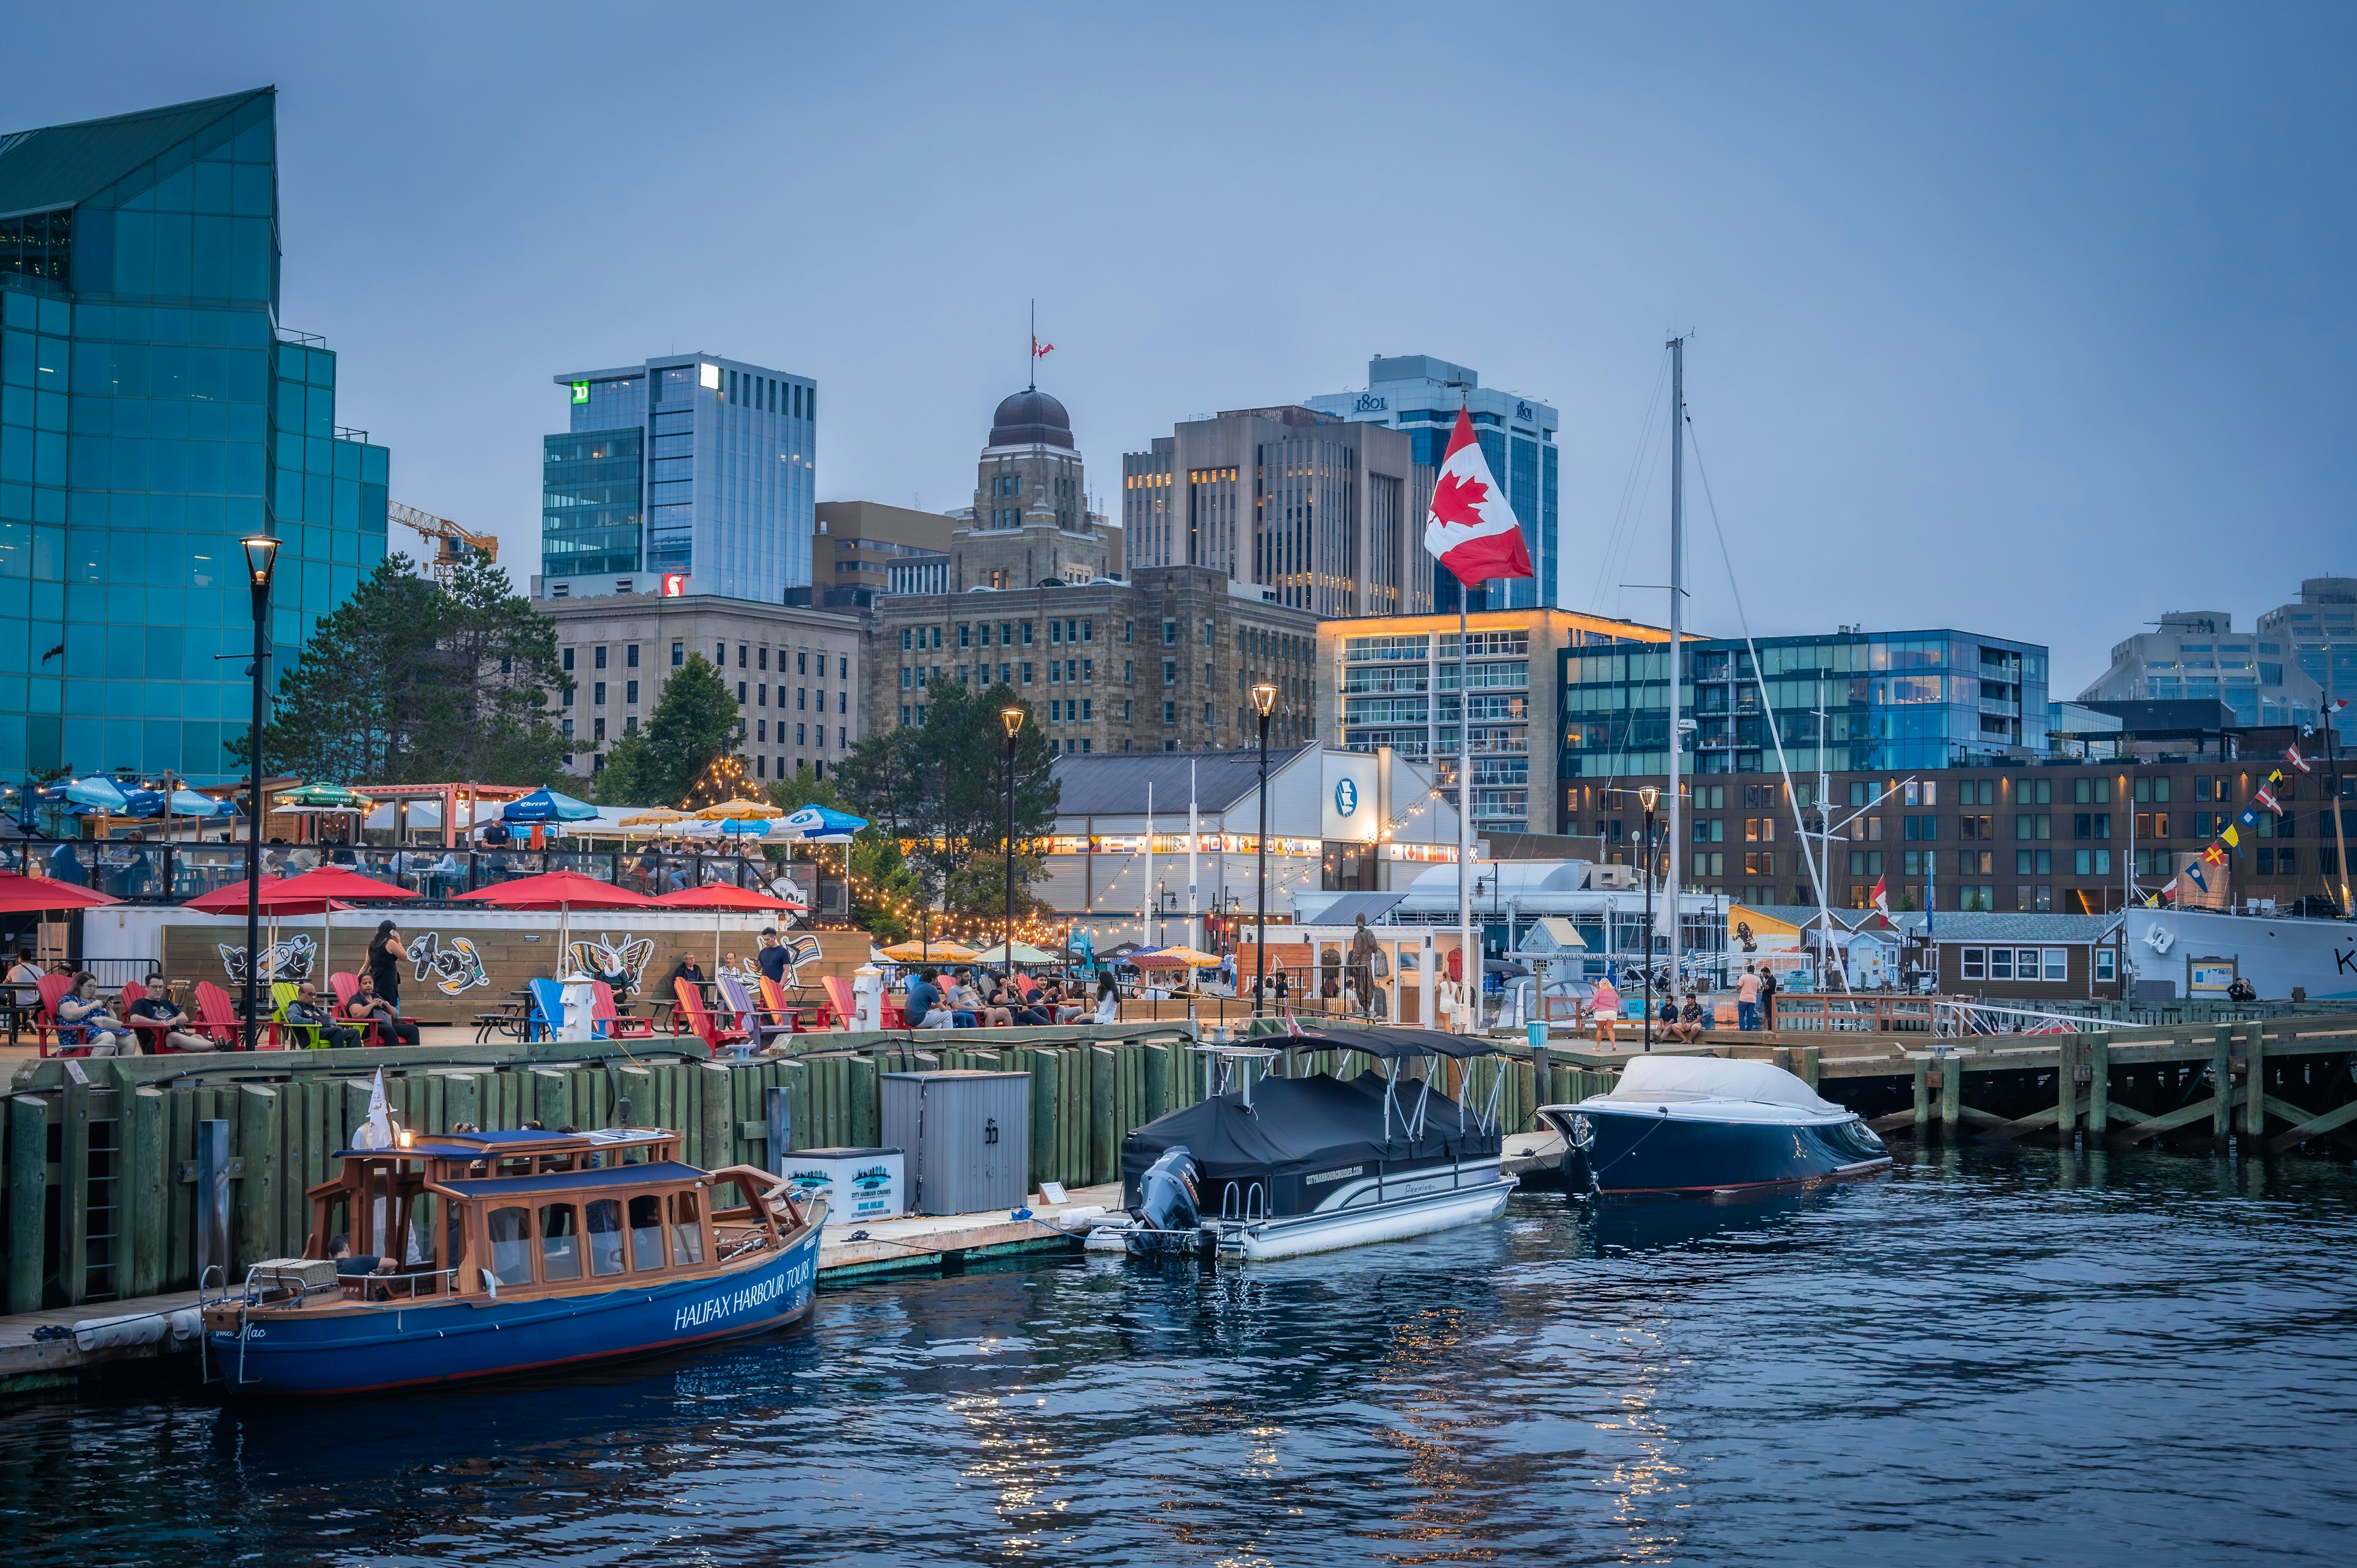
x: 674, y: 585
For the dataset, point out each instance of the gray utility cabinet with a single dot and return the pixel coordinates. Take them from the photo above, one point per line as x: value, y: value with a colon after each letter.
x: 968, y: 1137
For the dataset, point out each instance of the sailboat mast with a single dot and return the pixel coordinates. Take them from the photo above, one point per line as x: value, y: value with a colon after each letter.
x: 1677, y: 650
x: 1194, y: 837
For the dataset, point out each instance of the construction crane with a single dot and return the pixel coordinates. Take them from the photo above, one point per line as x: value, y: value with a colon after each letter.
x: 453, y: 543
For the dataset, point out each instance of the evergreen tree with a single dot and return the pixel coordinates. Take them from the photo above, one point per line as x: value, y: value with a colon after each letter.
x: 693, y: 724
x: 943, y: 785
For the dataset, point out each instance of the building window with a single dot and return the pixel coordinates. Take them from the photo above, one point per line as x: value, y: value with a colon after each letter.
x: 630, y: 692
x: 2106, y: 964
x: 1169, y: 712
x: 1972, y: 962
x: 567, y: 661
x: 2058, y: 963
x: 597, y: 695
x: 1170, y: 636
x: 740, y: 693
x: 678, y: 654
x: 598, y: 657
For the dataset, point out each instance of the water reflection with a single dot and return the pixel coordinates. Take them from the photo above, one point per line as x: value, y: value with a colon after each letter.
x: 1965, y: 1350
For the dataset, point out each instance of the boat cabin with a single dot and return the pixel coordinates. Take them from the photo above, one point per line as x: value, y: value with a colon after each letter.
x: 527, y: 1213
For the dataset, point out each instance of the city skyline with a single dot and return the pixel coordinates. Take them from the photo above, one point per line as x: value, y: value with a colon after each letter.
x: 1952, y: 314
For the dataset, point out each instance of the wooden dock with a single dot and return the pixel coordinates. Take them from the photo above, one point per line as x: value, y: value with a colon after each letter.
x: 848, y: 1255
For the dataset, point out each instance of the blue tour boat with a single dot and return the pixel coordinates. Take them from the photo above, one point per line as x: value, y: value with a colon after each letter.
x: 1703, y: 1124
x: 488, y: 1254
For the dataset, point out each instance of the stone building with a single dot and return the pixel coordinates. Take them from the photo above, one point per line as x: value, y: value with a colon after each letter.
x: 1030, y: 521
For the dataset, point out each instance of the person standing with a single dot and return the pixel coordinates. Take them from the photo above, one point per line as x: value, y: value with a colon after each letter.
x: 386, y: 955
x: 1746, y: 1000
x: 772, y: 957
x: 1605, y: 1008
x: 1767, y: 998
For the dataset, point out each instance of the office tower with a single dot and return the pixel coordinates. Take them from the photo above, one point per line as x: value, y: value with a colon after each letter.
x: 687, y: 474
x: 152, y: 411
x: 1325, y: 513
x: 1421, y: 396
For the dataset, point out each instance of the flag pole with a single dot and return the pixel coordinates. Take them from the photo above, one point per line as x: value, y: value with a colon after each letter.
x: 1469, y: 992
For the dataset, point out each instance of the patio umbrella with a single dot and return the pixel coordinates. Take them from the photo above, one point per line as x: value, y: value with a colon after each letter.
x: 1024, y: 953
x: 273, y: 901
x: 720, y: 897
x: 1175, y: 957
x: 547, y: 805
x: 563, y: 891
x: 97, y: 794
x: 923, y: 953
x: 187, y: 802
x: 344, y: 887
x: 21, y: 895
x: 739, y: 808
x: 820, y: 824
x: 654, y: 816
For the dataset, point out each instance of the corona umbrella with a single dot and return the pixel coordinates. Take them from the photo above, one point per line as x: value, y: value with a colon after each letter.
x: 545, y: 805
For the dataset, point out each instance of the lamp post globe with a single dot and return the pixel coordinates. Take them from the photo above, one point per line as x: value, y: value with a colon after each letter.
x: 261, y: 566
x: 1011, y: 716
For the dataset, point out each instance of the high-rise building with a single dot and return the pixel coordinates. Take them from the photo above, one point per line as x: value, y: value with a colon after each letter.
x: 1421, y: 396
x: 1391, y: 682
x: 2318, y: 634
x: 687, y: 474
x: 2264, y: 678
x: 867, y: 549
x: 152, y: 411
x: 1325, y: 513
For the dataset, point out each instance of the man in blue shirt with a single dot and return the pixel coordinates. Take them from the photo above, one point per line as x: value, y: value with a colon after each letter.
x: 772, y: 956
x: 926, y: 1008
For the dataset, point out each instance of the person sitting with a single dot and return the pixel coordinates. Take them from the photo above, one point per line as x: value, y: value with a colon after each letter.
x: 2241, y: 991
x: 84, y: 1009
x: 305, y: 1011
x: 1029, y: 1002
x: 367, y: 1007
x: 350, y: 1265
x: 928, y: 1008
x: 175, y: 1029
x: 1685, y: 1021
x: 686, y: 969
x: 1108, y: 997
x: 1604, y: 1007
x: 25, y: 975
x: 968, y: 995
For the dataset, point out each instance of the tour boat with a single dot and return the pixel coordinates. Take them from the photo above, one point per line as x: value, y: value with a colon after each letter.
x: 510, y: 1253
x: 1273, y: 1166
x: 1703, y: 1124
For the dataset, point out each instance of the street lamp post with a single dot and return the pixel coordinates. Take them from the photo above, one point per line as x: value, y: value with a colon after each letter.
x: 261, y: 561
x: 1012, y: 717
x: 1650, y: 797
x: 1263, y: 698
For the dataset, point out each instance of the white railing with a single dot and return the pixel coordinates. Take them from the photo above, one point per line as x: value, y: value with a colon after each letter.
x: 1956, y: 1018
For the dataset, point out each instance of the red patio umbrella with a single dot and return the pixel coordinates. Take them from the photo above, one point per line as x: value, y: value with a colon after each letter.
x: 343, y: 887
x: 721, y: 896
x: 22, y: 895
x: 563, y: 891
x: 279, y: 897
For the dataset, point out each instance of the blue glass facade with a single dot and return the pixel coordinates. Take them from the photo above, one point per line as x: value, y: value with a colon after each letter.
x: 151, y: 413
x: 1892, y: 701
x: 690, y: 465
x: 1421, y: 396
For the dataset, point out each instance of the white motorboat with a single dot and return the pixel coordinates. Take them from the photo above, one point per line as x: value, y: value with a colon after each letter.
x: 1703, y: 1124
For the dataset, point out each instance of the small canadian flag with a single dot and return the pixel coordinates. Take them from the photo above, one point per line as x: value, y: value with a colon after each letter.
x: 1882, y: 900
x: 1470, y: 527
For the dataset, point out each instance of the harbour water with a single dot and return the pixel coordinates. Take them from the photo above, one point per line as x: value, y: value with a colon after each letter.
x: 1991, y: 1355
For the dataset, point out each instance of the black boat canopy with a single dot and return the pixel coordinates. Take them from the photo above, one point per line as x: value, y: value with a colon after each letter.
x: 1300, y: 1126
x: 1390, y: 1045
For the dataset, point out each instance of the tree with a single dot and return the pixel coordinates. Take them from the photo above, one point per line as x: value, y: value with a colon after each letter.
x: 694, y: 725
x: 407, y: 682
x: 887, y: 894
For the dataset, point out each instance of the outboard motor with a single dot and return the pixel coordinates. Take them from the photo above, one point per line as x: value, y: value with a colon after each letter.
x: 1167, y: 1220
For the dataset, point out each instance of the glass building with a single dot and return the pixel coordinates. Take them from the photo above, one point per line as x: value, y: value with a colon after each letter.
x: 1421, y: 396
x: 1892, y: 701
x: 152, y: 411
x: 687, y: 466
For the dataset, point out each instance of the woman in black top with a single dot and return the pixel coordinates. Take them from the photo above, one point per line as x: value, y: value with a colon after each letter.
x: 385, y: 955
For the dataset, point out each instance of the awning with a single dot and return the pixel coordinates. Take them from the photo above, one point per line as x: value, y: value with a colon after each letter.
x: 1390, y: 1045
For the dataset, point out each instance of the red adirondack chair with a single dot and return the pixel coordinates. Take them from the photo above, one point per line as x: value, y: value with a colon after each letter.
x: 70, y: 1041
x: 149, y: 1035
x: 371, y: 1032
x: 701, y: 1020
x: 217, y: 1017
x: 619, y: 1025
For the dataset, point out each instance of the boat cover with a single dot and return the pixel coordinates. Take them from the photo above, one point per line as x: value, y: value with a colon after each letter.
x: 1674, y: 1077
x: 1390, y: 1045
x: 1298, y: 1126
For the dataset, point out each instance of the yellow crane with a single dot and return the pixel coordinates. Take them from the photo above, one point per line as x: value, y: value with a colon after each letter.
x: 452, y: 542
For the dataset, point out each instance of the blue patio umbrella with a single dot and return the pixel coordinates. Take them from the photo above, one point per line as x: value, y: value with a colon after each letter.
x: 819, y: 825
x: 548, y: 806
x: 97, y: 794
x: 187, y: 802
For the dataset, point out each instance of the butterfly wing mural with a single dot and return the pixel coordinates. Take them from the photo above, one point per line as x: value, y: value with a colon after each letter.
x: 609, y: 954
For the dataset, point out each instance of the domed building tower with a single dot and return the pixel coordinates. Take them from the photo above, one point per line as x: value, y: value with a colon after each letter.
x: 1031, y: 520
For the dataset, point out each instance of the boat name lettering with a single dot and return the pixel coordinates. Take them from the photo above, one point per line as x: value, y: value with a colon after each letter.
x: 1324, y: 1177
x: 697, y: 1313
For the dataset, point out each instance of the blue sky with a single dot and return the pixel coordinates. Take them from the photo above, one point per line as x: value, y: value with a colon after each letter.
x: 2030, y: 319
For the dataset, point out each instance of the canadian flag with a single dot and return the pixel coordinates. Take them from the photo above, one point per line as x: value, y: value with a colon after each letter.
x: 1470, y: 527
x: 1882, y: 900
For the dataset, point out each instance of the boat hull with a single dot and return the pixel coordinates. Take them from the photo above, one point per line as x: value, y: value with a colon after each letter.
x: 1328, y: 1230
x: 1640, y: 1150
x: 313, y: 1352
x: 2276, y: 955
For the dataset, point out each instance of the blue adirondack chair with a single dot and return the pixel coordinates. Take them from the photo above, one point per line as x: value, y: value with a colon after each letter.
x: 547, y: 1012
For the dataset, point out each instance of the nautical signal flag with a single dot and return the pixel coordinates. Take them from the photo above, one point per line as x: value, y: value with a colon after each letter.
x: 2266, y: 797
x: 2292, y: 755
x: 2193, y: 873
x: 1470, y: 529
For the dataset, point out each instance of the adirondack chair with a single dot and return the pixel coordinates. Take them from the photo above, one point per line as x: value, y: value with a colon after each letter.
x: 701, y: 1022
x: 756, y: 1019
x: 70, y: 1040
x: 774, y: 1004
x: 547, y: 1010
x: 217, y: 1017
x: 613, y: 1022
x: 346, y: 986
x: 301, y: 1037
x: 843, y: 1006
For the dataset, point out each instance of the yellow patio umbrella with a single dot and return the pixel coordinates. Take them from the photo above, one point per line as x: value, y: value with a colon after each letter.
x: 1175, y: 957
x: 914, y: 951
x: 654, y: 816
x: 738, y: 811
